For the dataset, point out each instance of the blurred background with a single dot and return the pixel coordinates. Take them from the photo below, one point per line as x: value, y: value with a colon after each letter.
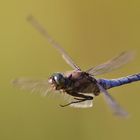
x: 91, y: 32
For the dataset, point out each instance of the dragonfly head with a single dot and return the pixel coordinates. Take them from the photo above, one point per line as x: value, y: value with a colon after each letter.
x: 57, y: 80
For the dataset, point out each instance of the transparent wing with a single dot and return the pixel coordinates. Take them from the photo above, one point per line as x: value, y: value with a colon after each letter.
x: 65, y: 56
x: 84, y: 104
x: 112, y: 64
x: 117, y: 110
x: 40, y: 86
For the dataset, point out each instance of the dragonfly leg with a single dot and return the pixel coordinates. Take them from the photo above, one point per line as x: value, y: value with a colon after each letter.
x: 81, y: 99
x: 80, y: 95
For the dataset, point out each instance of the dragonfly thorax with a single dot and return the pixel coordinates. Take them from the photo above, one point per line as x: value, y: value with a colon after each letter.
x: 57, y: 80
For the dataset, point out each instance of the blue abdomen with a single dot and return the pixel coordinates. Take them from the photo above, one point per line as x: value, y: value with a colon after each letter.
x: 109, y: 83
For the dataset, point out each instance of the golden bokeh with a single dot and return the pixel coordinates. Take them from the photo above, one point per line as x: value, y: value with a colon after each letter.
x: 91, y: 32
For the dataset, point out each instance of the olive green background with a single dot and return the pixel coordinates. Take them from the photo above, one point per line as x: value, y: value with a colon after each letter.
x: 92, y: 32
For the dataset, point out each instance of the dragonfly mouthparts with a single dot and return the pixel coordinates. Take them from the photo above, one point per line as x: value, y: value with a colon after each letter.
x: 50, y: 81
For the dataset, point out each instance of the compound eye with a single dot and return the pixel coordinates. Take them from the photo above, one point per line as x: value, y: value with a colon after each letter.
x: 56, y: 78
x: 59, y: 79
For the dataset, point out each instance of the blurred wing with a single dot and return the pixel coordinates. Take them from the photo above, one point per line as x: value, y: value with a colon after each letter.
x: 117, y: 110
x: 112, y: 64
x: 40, y: 86
x: 84, y: 104
x: 65, y: 56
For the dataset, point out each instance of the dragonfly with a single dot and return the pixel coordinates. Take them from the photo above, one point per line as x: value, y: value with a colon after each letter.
x: 80, y: 86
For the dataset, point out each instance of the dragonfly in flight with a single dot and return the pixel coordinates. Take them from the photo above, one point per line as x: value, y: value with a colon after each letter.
x: 80, y: 86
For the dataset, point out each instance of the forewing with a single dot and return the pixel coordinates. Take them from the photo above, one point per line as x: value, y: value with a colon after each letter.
x: 40, y: 86
x: 44, y: 32
x: 112, y: 64
x: 117, y: 110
